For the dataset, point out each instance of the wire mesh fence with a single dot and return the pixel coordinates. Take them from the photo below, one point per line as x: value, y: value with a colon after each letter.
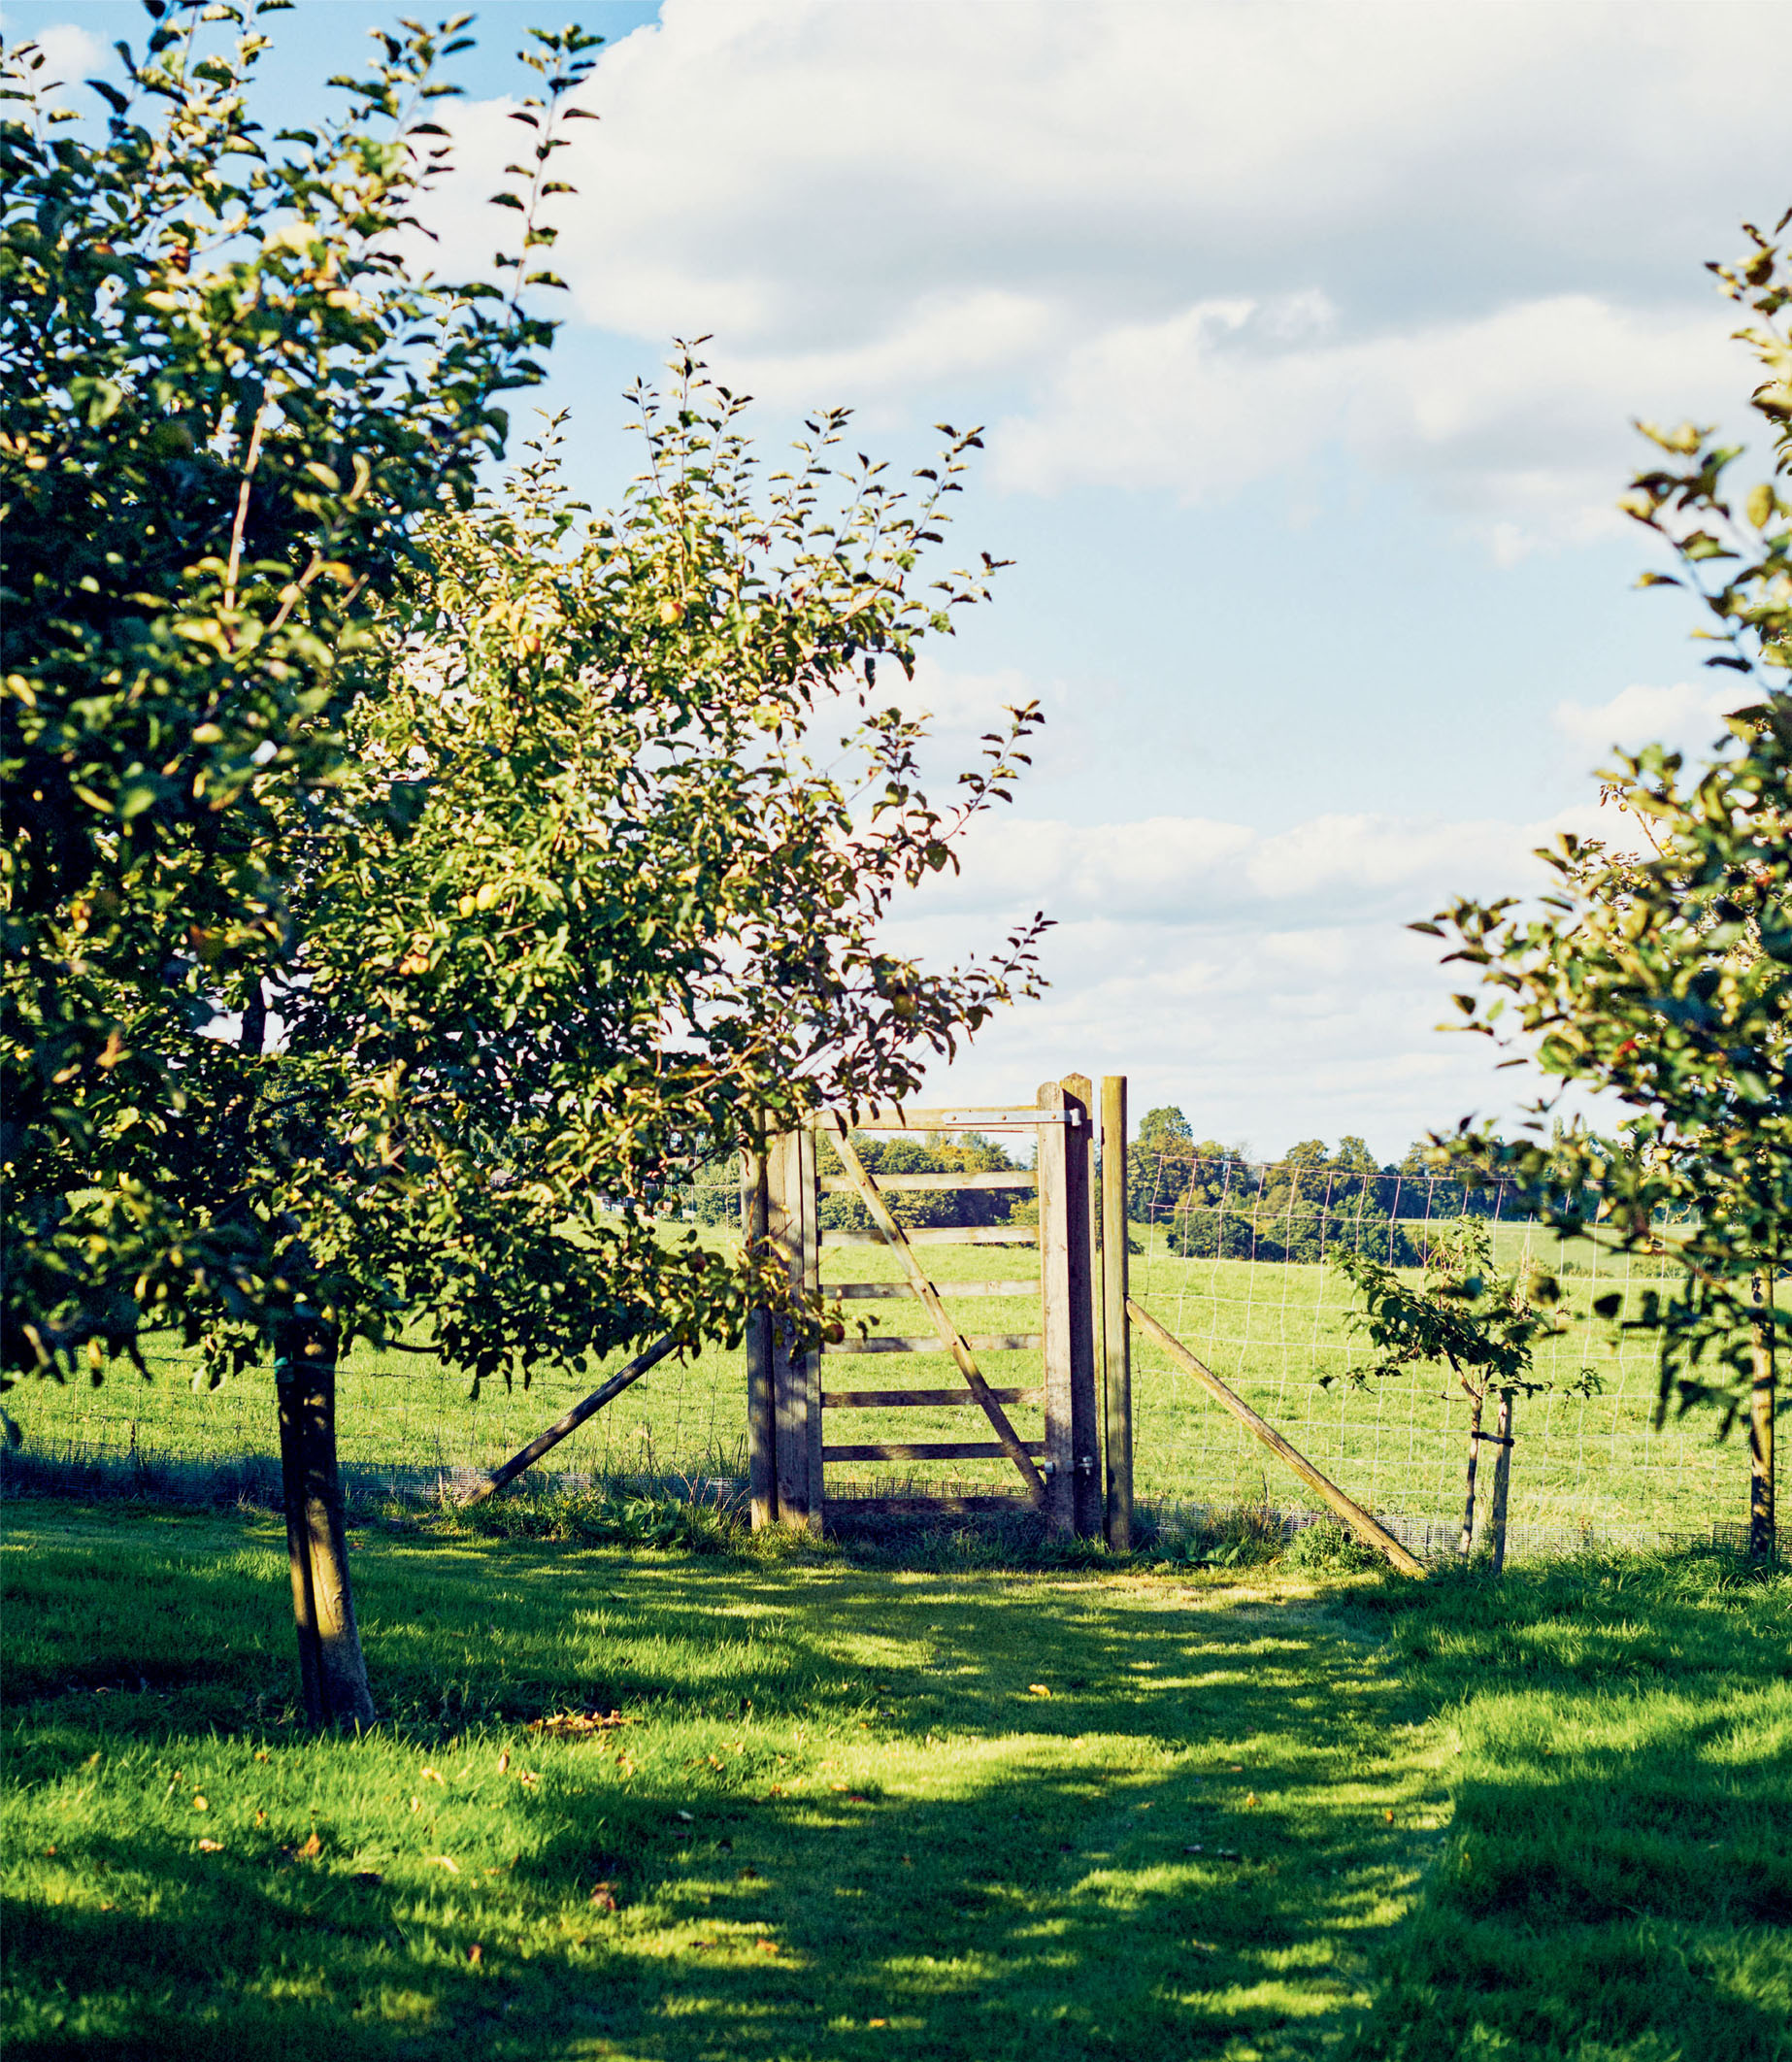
x: 1238, y: 1258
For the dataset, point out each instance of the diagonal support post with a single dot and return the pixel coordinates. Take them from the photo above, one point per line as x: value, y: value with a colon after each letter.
x: 1346, y: 1507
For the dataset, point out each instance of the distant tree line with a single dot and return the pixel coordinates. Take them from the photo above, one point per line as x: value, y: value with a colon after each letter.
x: 1221, y: 1202
x: 715, y: 1197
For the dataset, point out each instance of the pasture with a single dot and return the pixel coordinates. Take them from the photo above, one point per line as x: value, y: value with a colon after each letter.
x: 1590, y: 1466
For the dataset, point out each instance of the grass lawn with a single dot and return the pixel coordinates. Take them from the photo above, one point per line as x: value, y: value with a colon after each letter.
x: 854, y: 1810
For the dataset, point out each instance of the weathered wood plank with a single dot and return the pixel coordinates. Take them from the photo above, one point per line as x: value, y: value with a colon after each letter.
x: 1346, y: 1507
x: 761, y: 1394
x: 929, y: 1343
x: 804, y: 1172
x: 789, y: 1372
x: 933, y: 1399
x: 562, y: 1427
x: 944, y: 1235
x: 1015, y: 1177
x: 891, y: 1116
x: 889, y: 1291
x: 1054, y: 1263
x: 846, y: 1507
x: 933, y: 1450
x: 1086, y: 1495
x: 1116, y: 1357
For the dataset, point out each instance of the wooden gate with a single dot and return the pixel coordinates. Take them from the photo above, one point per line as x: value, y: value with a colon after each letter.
x: 1057, y: 1469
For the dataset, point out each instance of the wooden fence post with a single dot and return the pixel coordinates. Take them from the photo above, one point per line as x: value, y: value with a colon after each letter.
x: 1501, y: 1479
x: 790, y: 1227
x: 762, y: 1411
x: 1087, y: 1497
x: 1116, y: 1336
x: 809, y: 1191
x: 1057, y: 1352
x: 1763, y: 1519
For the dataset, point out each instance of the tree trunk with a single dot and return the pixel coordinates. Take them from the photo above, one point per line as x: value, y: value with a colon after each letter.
x: 1762, y: 1530
x: 1467, y: 1543
x: 331, y: 1670
x: 1501, y: 1479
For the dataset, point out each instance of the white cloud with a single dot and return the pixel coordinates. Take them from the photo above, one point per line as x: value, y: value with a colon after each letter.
x: 1687, y: 716
x: 1187, y: 243
x: 1516, y: 417
x: 1264, y: 982
x: 1221, y: 876
x: 71, y: 55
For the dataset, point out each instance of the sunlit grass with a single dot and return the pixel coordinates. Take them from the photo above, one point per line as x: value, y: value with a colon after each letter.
x: 1616, y: 1885
x: 966, y: 1812
x: 975, y: 1813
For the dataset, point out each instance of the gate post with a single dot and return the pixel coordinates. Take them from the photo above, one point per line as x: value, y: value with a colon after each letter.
x: 796, y: 1377
x: 1073, y: 1494
x: 1088, y: 1497
x: 761, y: 1409
x: 1117, y: 1339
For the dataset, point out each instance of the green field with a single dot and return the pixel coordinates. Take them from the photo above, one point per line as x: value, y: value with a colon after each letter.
x: 851, y: 1811
x: 1585, y: 1465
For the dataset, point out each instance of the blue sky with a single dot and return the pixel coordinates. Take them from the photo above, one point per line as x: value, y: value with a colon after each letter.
x: 1307, y: 336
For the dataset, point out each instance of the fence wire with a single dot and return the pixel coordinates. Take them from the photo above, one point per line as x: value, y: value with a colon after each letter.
x: 1238, y: 1258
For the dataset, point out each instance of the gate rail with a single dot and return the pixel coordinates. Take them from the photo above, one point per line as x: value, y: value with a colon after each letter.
x: 1061, y: 1470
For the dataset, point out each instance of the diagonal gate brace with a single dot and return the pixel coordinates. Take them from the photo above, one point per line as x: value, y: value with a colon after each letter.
x: 928, y: 1297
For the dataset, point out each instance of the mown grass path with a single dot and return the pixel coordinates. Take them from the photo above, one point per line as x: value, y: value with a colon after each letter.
x: 855, y: 1811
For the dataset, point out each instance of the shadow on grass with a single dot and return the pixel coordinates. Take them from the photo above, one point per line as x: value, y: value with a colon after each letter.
x: 849, y: 1818
x: 1616, y: 1881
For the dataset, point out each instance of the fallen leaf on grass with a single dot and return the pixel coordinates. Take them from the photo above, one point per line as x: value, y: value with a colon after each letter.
x: 1250, y: 1798
x: 430, y: 1775
x: 504, y: 1761
x: 445, y: 1861
x: 766, y: 1946
x: 576, y: 1725
x: 475, y: 1954
x: 1038, y: 1690
x: 312, y: 1848
x: 686, y: 1817
x: 211, y: 1847
x: 877, y: 2023
x: 604, y: 1896
x: 200, y: 1803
